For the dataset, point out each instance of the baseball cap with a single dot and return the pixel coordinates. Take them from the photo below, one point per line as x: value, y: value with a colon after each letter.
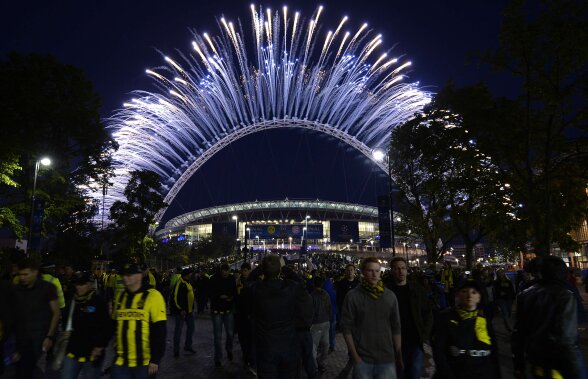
x: 470, y: 283
x: 83, y: 277
x: 131, y: 268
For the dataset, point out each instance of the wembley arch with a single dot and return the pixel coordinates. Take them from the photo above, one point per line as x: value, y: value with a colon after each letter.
x: 225, y: 89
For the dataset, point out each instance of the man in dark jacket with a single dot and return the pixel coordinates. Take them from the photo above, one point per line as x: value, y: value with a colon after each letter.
x: 223, y: 290
x: 276, y: 305
x: 546, y: 328
x: 182, y: 306
x: 416, y: 317
x: 91, y: 328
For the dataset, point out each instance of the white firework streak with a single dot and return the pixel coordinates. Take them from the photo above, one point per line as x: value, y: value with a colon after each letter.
x: 224, y: 90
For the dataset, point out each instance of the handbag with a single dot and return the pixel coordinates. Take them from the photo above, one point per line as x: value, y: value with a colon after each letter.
x: 60, y: 346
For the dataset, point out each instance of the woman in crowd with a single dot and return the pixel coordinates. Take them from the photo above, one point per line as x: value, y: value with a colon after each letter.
x: 464, y: 346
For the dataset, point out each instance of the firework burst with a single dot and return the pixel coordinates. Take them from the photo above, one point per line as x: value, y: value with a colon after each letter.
x: 286, y: 75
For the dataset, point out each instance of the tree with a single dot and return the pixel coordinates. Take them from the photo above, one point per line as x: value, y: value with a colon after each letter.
x: 480, y: 201
x: 133, y: 218
x: 49, y: 109
x: 8, y: 167
x: 540, y: 139
x: 416, y: 162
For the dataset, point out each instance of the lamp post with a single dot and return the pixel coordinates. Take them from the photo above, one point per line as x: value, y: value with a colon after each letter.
x: 45, y: 162
x: 380, y: 156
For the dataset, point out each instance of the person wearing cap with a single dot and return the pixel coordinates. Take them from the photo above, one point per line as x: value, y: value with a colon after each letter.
x: 182, y: 306
x: 140, y: 316
x: 464, y: 345
x: 90, y: 329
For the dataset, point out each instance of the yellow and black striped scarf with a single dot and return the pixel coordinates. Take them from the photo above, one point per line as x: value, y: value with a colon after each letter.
x: 375, y: 292
x: 464, y: 314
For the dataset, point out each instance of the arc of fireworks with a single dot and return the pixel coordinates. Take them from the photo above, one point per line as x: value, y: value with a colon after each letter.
x: 223, y: 87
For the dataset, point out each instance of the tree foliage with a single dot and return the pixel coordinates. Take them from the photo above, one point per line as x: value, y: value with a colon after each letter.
x: 540, y: 138
x: 415, y: 164
x: 133, y: 218
x: 50, y: 109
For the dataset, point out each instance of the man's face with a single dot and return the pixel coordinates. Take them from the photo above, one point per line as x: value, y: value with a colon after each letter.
x: 399, y: 272
x: 27, y: 276
x: 224, y: 273
x: 371, y: 273
x: 350, y: 273
x: 82, y: 289
x: 245, y: 272
x: 132, y: 280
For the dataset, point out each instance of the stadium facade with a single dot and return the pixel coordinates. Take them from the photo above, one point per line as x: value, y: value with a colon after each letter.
x: 282, y: 224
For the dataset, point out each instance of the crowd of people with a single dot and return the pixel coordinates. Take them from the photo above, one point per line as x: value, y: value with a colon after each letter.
x: 286, y: 315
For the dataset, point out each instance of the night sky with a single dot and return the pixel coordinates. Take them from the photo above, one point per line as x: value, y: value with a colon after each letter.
x: 113, y: 42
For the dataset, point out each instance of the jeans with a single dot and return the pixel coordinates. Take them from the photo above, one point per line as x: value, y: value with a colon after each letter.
x: 333, y: 331
x: 125, y: 372
x: 71, y: 369
x: 374, y: 371
x: 189, y: 320
x: 305, y: 347
x: 413, y: 358
x: 320, y: 342
x: 277, y: 363
x: 218, y: 320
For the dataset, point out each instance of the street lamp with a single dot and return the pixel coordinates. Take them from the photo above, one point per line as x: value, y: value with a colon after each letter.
x: 45, y: 162
x: 380, y: 156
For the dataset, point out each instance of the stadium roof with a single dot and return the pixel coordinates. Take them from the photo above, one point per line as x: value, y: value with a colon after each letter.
x: 319, y: 208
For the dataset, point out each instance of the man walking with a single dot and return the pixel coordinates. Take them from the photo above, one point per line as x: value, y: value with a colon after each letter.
x: 36, y: 312
x: 416, y: 317
x: 546, y: 329
x: 182, y: 306
x: 276, y: 305
x: 371, y: 326
x: 223, y: 290
x: 139, y: 313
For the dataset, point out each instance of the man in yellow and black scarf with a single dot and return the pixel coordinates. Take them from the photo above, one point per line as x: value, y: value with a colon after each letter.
x: 182, y: 307
x: 370, y: 322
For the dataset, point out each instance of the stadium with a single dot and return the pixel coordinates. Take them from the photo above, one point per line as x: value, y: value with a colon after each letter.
x: 282, y: 224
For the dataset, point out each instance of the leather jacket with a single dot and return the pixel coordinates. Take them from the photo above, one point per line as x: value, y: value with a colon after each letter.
x: 546, y: 329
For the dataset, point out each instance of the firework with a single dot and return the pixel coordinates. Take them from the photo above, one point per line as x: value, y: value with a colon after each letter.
x: 286, y: 75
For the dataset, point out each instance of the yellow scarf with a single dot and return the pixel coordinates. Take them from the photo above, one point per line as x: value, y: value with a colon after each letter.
x: 480, y: 326
x: 375, y: 292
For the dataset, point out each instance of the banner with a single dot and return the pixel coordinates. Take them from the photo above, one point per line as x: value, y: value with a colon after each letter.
x: 224, y: 229
x: 268, y: 231
x: 384, y: 221
x: 344, y: 231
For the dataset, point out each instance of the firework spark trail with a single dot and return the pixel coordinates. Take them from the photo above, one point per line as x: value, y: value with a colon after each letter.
x: 218, y: 90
